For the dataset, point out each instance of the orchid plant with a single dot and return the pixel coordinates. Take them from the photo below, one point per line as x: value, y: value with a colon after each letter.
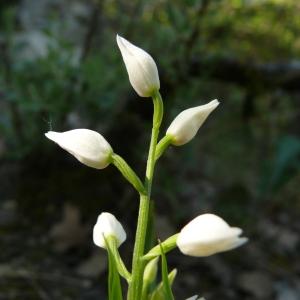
x: 205, y: 235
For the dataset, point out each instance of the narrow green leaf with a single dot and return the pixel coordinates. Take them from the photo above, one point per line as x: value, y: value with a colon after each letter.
x: 158, y: 293
x: 114, y: 284
x: 149, y: 277
x: 165, y: 278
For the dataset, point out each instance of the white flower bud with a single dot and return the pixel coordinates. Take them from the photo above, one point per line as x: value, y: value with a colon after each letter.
x: 141, y: 68
x: 195, y: 298
x: 88, y: 146
x: 208, y: 234
x: 151, y: 270
x: 107, y: 225
x: 185, y: 126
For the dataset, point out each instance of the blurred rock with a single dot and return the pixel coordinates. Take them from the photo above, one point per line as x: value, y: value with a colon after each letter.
x: 5, y: 270
x: 268, y: 228
x: 220, y: 269
x: 8, y: 213
x: 68, y: 18
x: 31, y: 45
x: 70, y: 231
x: 287, y: 240
x: 286, y: 291
x: 190, y: 280
x: 95, y: 265
x: 33, y: 14
x: 256, y: 283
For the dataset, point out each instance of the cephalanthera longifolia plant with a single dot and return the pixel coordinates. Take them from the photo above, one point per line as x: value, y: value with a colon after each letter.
x: 205, y: 235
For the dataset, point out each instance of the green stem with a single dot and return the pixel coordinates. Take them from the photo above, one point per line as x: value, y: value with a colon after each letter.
x: 128, y: 172
x: 135, y: 287
x: 112, y: 243
x: 162, y: 146
x: 167, y: 245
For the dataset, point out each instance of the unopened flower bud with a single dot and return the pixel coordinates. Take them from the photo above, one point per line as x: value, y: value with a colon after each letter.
x: 185, y: 126
x: 208, y: 234
x: 141, y: 68
x: 195, y: 298
x: 88, y: 146
x: 151, y: 270
x: 107, y: 225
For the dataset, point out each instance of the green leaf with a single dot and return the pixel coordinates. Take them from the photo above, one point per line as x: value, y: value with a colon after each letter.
x: 163, y: 290
x: 114, y: 284
x: 165, y: 278
x: 158, y: 293
x: 150, y: 273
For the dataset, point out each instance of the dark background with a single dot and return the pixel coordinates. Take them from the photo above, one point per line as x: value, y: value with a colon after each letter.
x: 60, y: 69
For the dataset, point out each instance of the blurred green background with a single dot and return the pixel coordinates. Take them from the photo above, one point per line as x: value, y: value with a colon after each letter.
x: 60, y: 69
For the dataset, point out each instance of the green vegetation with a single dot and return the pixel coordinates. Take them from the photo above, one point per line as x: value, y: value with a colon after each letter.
x: 60, y: 69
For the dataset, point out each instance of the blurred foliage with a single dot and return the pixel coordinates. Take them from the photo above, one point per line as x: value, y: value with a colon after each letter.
x: 60, y: 68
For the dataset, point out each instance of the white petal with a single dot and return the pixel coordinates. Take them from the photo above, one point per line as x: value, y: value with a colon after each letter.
x: 88, y: 146
x: 185, y: 126
x: 208, y: 234
x: 108, y: 225
x: 141, y: 68
x: 195, y: 298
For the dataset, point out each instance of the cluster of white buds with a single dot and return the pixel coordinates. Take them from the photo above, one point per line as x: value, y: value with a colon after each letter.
x: 143, y: 76
x: 205, y: 235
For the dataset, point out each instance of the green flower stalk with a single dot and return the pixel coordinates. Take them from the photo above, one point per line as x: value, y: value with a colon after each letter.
x: 205, y: 235
x: 135, y: 288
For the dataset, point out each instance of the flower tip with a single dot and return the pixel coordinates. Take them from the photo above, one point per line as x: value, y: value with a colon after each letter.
x: 51, y: 135
x: 185, y: 126
x: 214, y: 103
x: 121, y: 42
x: 118, y: 37
x: 243, y: 240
